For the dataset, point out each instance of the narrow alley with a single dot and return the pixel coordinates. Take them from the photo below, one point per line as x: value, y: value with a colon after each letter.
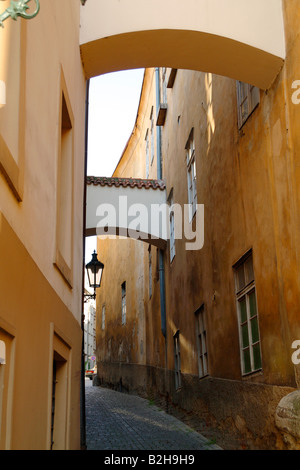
x: 118, y: 421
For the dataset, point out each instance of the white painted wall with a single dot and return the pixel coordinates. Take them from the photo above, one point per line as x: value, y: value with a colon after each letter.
x: 258, y: 23
x: 126, y: 202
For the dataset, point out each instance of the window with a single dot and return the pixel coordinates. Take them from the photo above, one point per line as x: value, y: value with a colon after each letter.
x: 7, y: 355
x: 103, y: 318
x: 172, y: 227
x: 248, y: 98
x: 150, y: 271
x: 59, y: 402
x: 2, y: 364
x: 201, y: 342
x: 64, y: 224
x: 2, y: 352
x: 177, y: 360
x: 247, y: 315
x: 147, y: 153
x: 162, y: 108
x: 12, y: 105
x: 191, y: 174
x: 164, y: 84
x: 124, y: 303
x: 60, y: 412
x: 2, y: 93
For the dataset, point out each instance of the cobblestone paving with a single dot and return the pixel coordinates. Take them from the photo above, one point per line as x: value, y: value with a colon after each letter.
x: 118, y: 421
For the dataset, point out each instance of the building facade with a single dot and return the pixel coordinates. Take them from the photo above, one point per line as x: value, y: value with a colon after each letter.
x: 44, y: 65
x: 210, y: 330
x: 89, y: 335
x: 42, y: 122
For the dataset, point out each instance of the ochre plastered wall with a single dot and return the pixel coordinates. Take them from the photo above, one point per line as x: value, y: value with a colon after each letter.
x: 247, y: 180
x: 30, y: 350
x: 46, y: 60
x: 37, y: 304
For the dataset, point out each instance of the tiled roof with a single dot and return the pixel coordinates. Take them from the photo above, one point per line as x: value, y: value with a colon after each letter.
x: 125, y: 182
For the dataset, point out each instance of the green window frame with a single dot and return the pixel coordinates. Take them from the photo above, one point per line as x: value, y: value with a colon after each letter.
x: 247, y: 312
x: 177, y: 360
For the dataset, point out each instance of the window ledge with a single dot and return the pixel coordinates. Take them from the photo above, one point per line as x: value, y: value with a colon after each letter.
x: 252, y: 375
x: 171, y: 79
x: 162, y: 112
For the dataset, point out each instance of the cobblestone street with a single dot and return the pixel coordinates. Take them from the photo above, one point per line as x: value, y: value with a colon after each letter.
x: 118, y: 421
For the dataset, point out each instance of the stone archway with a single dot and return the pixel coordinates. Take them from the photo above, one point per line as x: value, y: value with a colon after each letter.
x: 234, y: 38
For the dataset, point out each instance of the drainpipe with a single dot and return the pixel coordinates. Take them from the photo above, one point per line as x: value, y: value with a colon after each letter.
x: 161, y: 253
x: 82, y: 380
x: 162, y: 292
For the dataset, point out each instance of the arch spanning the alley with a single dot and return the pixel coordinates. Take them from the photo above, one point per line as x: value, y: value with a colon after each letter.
x: 128, y: 207
x: 234, y: 38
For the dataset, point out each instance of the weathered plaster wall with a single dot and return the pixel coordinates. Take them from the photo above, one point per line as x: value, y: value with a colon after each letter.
x: 247, y: 180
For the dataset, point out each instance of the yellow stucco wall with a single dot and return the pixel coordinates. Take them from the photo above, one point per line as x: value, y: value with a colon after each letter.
x: 40, y: 306
x: 247, y: 180
x: 31, y: 316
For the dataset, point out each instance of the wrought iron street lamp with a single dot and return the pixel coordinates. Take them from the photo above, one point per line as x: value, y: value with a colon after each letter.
x: 94, y: 272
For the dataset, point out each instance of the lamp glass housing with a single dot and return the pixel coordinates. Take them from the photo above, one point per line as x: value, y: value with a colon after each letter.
x: 94, y: 271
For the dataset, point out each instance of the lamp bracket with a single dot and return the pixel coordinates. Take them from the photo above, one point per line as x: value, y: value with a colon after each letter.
x: 18, y: 8
x: 88, y: 297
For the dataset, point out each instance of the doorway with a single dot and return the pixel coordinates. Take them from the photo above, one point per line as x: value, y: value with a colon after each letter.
x: 59, y: 403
